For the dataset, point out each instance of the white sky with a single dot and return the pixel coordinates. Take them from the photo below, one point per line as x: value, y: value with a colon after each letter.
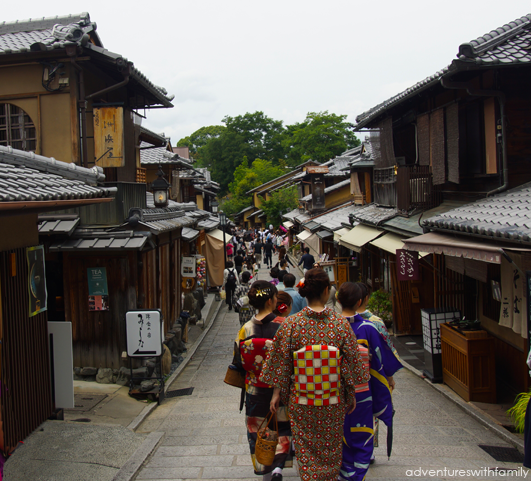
x: 285, y: 58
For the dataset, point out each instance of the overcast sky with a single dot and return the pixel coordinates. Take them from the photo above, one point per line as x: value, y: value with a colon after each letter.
x: 286, y: 58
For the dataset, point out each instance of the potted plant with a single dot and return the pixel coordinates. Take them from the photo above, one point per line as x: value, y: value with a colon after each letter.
x: 517, y: 412
x: 380, y: 304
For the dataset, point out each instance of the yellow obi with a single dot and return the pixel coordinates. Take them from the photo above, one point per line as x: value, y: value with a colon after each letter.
x: 317, y: 370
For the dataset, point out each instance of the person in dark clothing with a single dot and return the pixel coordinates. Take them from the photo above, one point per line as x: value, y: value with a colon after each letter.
x: 268, y: 253
x: 307, y: 260
x: 258, y: 246
x: 238, y: 261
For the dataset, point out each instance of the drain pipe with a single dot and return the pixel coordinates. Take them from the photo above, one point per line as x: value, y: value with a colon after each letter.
x: 448, y: 84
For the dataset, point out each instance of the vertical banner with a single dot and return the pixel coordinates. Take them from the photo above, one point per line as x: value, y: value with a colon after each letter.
x: 407, y: 265
x: 109, y: 136
x: 98, y: 290
x: 36, y: 280
x: 318, y: 191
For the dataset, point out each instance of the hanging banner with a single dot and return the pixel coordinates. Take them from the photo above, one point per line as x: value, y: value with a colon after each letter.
x: 318, y: 192
x: 97, y: 287
x: 109, y: 136
x: 36, y: 280
x: 407, y: 265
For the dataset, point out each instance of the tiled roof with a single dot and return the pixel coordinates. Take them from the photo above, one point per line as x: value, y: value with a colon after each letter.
x: 337, y: 218
x: 59, y: 225
x: 159, y: 155
x: 189, y: 234
x: 52, y: 33
x: 506, y: 216
x: 332, y: 188
x: 25, y: 176
x: 509, y: 45
x: 208, y: 224
x: 373, y: 214
x: 151, y: 137
x: 101, y: 240
x: 291, y: 215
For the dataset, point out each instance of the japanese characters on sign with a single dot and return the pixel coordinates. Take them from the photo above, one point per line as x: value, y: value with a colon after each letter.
x: 109, y: 136
x: 36, y: 280
x: 318, y: 192
x: 97, y: 287
x: 144, y: 331
x: 407, y: 265
x: 188, y: 268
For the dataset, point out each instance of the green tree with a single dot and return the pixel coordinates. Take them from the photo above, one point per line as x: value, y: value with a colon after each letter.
x: 196, y: 141
x: 320, y: 137
x: 280, y: 202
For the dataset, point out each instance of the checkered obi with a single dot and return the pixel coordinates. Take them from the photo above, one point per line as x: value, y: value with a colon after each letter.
x: 317, y: 375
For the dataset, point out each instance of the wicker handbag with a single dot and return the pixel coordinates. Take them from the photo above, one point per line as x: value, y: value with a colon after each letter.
x: 266, y: 442
x: 234, y: 377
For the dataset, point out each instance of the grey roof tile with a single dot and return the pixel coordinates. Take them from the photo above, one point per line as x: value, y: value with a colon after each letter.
x: 509, y: 45
x: 374, y: 214
x: 495, y: 216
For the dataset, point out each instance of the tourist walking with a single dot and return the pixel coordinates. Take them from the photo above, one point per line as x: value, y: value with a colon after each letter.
x: 299, y: 302
x: 230, y: 281
x: 317, y: 404
x: 373, y: 398
x: 307, y: 260
x: 254, y: 340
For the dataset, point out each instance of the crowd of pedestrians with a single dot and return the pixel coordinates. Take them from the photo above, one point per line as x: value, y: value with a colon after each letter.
x: 312, y: 360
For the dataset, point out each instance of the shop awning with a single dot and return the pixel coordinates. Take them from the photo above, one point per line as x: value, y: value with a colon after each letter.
x: 340, y: 233
x: 218, y: 234
x: 392, y: 242
x: 359, y: 236
x: 304, y: 235
x: 288, y: 224
x: 460, y: 247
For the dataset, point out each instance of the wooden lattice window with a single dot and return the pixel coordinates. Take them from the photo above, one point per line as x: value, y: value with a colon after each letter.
x: 17, y: 129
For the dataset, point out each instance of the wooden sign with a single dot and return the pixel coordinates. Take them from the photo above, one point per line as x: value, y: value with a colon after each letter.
x: 318, y: 192
x: 109, y: 136
x: 407, y: 265
x: 342, y: 274
x: 317, y: 170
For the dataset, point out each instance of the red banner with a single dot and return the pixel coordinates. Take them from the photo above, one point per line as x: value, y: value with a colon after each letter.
x: 407, y: 265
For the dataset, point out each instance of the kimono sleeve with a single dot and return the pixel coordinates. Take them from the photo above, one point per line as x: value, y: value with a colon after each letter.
x: 278, y: 366
x: 380, y: 348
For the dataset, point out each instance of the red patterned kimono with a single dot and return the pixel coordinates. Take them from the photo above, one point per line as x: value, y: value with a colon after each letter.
x: 317, y: 404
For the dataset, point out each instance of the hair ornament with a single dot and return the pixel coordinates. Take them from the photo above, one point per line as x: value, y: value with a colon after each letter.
x: 263, y: 292
x: 282, y: 308
x: 301, y: 283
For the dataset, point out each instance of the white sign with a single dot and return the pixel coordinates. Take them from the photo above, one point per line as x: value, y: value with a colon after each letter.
x: 188, y: 267
x: 144, y: 331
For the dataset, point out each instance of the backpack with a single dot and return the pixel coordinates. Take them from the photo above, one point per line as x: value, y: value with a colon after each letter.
x: 231, y: 279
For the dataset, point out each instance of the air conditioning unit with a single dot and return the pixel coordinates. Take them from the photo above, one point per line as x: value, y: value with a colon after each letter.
x: 420, y: 190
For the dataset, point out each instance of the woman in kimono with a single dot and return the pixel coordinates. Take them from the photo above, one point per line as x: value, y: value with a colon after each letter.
x: 372, y: 399
x: 253, y: 341
x: 314, y: 366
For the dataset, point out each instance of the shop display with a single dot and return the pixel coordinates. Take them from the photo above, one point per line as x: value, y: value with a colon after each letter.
x: 201, y: 271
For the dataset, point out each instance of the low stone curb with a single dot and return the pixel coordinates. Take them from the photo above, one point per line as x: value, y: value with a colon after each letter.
x: 471, y: 410
x: 133, y: 464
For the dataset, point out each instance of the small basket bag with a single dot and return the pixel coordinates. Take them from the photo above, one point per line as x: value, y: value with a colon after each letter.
x: 266, y: 442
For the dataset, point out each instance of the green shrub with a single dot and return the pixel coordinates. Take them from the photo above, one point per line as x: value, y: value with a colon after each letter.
x: 517, y: 412
x: 381, y: 305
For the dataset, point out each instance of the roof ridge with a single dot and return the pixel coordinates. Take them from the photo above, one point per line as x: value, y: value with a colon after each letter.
x: 44, y: 23
x: 494, y: 37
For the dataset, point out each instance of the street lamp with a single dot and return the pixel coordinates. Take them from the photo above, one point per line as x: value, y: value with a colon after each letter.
x: 214, y: 205
x: 160, y: 189
x: 223, y: 223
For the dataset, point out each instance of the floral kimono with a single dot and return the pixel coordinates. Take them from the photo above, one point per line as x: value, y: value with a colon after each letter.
x: 254, y: 341
x: 316, y: 363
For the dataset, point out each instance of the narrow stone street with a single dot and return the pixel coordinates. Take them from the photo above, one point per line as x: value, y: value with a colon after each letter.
x: 205, y: 436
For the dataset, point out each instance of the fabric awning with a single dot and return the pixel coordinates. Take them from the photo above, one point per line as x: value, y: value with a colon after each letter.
x: 288, y: 224
x: 392, y: 242
x: 218, y: 234
x: 340, y: 233
x: 304, y: 235
x: 312, y: 242
x: 468, y: 248
x: 359, y: 236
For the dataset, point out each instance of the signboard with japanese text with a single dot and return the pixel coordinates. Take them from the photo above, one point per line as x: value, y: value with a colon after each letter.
x: 407, y: 265
x: 97, y: 287
x: 317, y: 170
x: 109, y: 136
x: 318, y: 192
x: 144, y: 332
x: 188, y: 268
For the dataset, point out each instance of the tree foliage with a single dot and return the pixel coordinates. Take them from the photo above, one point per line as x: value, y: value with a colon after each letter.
x: 196, y: 141
x: 320, y: 137
x: 280, y: 202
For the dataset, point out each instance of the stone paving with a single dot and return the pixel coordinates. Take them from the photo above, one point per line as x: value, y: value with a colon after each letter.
x: 205, y: 437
